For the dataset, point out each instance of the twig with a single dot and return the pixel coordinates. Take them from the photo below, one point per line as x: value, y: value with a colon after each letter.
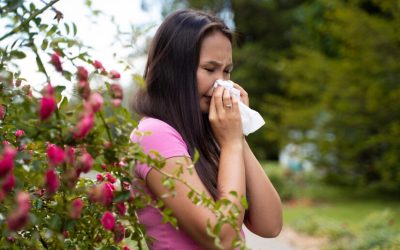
x: 24, y: 23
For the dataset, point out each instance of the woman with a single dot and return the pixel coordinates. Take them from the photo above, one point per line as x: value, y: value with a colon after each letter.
x: 184, y: 112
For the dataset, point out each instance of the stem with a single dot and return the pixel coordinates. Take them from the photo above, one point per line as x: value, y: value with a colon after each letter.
x: 24, y: 23
x: 106, y: 126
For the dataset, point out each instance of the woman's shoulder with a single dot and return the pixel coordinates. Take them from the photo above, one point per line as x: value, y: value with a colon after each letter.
x: 152, y: 133
x: 148, y: 126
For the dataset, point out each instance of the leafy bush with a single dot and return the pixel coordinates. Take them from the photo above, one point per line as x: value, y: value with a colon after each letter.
x: 49, y: 144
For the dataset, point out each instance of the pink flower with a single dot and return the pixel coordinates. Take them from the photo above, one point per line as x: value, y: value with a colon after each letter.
x: 2, y: 112
x: 84, y: 89
x: 115, y: 74
x: 76, y: 209
x: 110, y: 178
x: 98, y: 65
x: 96, y: 101
x: 82, y: 74
x: 119, y: 232
x: 19, y: 133
x: 126, y: 185
x: 24, y: 202
x: 99, y: 177
x: 120, y: 208
x: 52, y: 181
x: 103, y: 194
x: 84, y: 126
x: 70, y: 155
x: 108, y: 194
x: 108, y: 221
x: 85, y: 163
x: 16, y: 221
x: 19, y: 217
x: 55, y: 60
x: 48, y: 90
x: 116, y: 91
x: 55, y: 155
x: 7, y: 160
x: 126, y: 248
x: 47, y: 106
x: 8, y: 183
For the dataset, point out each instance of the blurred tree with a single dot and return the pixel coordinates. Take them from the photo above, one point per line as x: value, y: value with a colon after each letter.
x: 343, y: 89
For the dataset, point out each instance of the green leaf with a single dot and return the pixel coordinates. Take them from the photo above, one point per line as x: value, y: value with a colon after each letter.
x: 66, y: 28
x: 52, y: 30
x: 59, y: 89
x: 17, y: 54
x: 74, y: 28
x: 122, y: 196
x: 40, y: 65
x: 243, y: 201
x: 45, y: 44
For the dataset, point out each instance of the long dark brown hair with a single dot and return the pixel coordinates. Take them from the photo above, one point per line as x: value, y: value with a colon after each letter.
x: 171, y: 87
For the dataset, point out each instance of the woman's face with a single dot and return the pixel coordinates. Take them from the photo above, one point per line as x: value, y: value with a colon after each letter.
x: 215, y: 63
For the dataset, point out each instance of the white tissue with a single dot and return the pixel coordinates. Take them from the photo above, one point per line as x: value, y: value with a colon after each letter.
x: 251, y: 119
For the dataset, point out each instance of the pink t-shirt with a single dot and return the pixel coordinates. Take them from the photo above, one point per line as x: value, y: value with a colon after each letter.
x: 169, y: 143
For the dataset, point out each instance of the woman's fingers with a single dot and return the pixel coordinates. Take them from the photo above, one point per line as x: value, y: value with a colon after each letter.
x: 243, y: 94
x: 226, y: 100
x: 217, y: 99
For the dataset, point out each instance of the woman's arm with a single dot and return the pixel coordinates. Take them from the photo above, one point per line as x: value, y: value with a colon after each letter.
x: 265, y: 209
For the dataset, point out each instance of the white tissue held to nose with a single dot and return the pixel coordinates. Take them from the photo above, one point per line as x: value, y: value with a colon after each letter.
x: 251, y: 119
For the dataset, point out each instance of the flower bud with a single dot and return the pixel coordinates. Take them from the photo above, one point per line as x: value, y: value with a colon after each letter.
x: 2, y: 112
x: 82, y: 74
x: 47, y: 106
x: 85, y: 163
x: 110, y: 178
x: 108, y: 220
x: 119, y: 232
x: 7, y: 160
x: 55, y: 155
x: 120, y: 208
x: 8, y: 183
x: 114, y: 74
x: 84, y: 89
x: 52, y: 181
x: 76, y: 208
x: 19, y: 133
x: 19, y: 217
x: 116, y: 91
x: 84, y: 126
x: 55, y: 60
x: 96, y: 101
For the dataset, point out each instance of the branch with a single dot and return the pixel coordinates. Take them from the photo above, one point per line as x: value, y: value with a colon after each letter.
x: 24, y: 23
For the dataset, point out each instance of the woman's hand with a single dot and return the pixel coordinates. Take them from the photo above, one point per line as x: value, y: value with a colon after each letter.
x: 225, y: 118
x: 244, y: 97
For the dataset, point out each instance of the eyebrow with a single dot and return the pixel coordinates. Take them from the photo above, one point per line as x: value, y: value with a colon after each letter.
x: 216, y: 63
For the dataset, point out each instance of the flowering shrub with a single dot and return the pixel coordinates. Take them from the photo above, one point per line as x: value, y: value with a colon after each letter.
x: 51, y: 147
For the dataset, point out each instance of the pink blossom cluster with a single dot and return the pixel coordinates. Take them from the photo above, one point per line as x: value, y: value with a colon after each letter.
x: 109, y: 223
x: 48, y: 103
x: 80, y: 163
x: 7, y: 178
x: 18, y: 218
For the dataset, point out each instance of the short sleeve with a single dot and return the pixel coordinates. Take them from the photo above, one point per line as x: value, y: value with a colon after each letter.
x: 154, y: 134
